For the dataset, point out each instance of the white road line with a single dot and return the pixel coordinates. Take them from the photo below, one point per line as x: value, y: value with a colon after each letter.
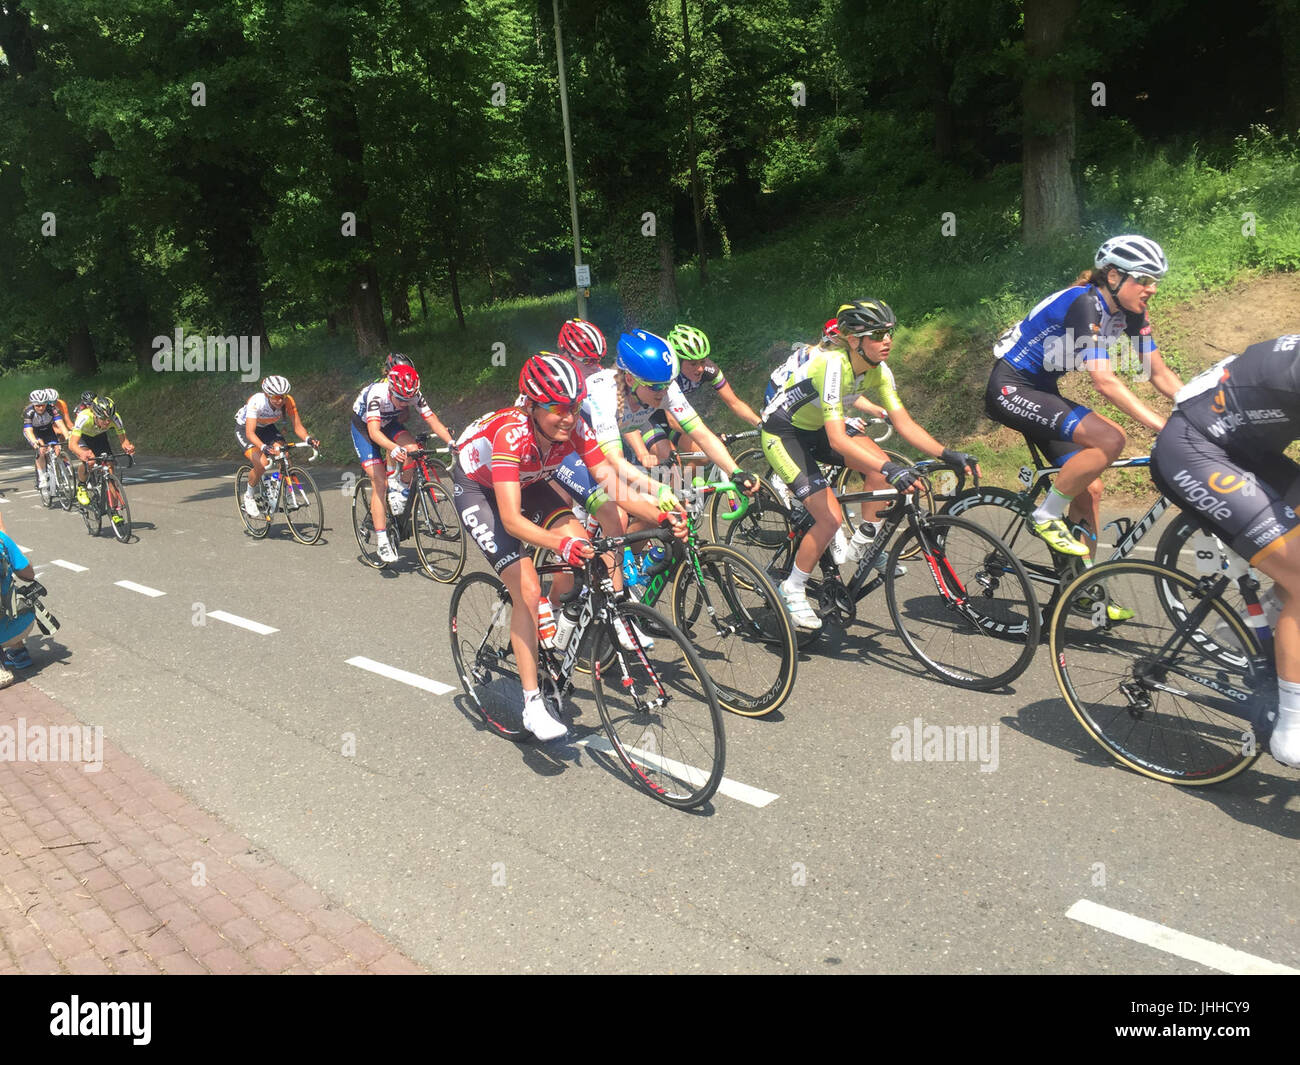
x: 131, y: 586
x: 1193, y: 948
x: 393, y: 673
x: 24, y: 550
x: 731, y: 788
x: 67, y: 565
x: 243, y: 623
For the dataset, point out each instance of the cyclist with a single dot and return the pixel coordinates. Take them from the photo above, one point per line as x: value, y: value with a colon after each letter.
x: 258, y: 431
x: 1076, y: 328
x: 13, y: 629
x: 803, y: 424
x: 43, y: 426
x: 378, y: 415
x: 503, y: 464
x: 87, y: 398
x: 1220, y: 457
x: 93, y: 424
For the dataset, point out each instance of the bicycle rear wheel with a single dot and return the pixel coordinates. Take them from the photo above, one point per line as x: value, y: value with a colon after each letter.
x: 119, y: 513
x: 485, y: 661
x: 661, y: 713
x: 439, y: 539
x: 363, y: 524
x: 1182, y: 716
x: 255, y: 527
x: 67, y: 483
x: 736, y: 622
x: 969, y: 615
x: 90, y: 513
x: 303, y: 509
x: 47, y: 490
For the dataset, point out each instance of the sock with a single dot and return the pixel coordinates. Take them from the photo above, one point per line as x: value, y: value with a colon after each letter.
x: 1054, y: 506
x: 1285, y: 744
x: 532, y: 694
x: 796, y: 581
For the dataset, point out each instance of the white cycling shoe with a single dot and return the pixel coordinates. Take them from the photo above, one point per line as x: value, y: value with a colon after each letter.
x: 387, y: 552
x: 538, y: 721
x: 250, y: 504
x: 801, y: 611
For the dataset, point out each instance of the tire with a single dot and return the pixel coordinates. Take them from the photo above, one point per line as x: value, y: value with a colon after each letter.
x: 67, y: 483
x: 1184, y: 546
x: 1188, y: 731
x: 661, y: 714
x: 363, y: 524
x: 439, y: 539
x: 304, y: 511
x: 982, y: 630
x: 118, y: 510
x: 847, y: 481
x: 748, y: 643
x: 47, y: 492
x: 255, y: 527
x: 90, y: 514
x: 1005, y: 514
x: 485, y: 662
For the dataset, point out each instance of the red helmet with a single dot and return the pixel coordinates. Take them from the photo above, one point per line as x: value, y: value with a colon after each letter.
x: 581, y: 340
x: 403, y: 382
x: 551, y: 378
x: 831, y: 328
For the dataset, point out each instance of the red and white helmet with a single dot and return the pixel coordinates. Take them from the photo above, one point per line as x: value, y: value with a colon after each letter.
x: 551, y: 378
x: 831, y: 328
x: 582, y: 341
x: 403, y: 382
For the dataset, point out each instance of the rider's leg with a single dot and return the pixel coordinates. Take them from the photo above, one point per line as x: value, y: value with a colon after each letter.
x: 1281, y: 561
x: 1100, y: 442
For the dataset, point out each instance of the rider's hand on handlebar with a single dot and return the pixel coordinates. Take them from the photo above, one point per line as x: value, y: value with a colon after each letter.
x: 398, y: 454
x: 747, y: 481
x: 678, y: 521
x: 899, y: 476
x: 961, y: 460
x: 575, y: 550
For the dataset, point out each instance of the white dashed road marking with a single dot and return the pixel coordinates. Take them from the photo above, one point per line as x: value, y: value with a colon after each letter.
x: 393, y: 673
x: 731, y: 788
x: 67, y: 565
x: 131, y: 586
x: 243, y: 623
x: 1193, y: 948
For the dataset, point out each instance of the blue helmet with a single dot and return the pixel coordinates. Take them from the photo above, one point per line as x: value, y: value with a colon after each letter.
x: 647, y: 356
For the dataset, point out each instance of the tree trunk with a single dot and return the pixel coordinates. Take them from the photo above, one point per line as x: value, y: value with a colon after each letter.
x: 331, y: 324
x: 454, y: 278
x: 1050, y: 203
x: 81, y: 353
x: 135, y: 319
x: 399, y: 300
x: 945, y: 127
x: 367, y: 313
x: 424, y: 304
x: 1288, y: 24
x: 692, y: 152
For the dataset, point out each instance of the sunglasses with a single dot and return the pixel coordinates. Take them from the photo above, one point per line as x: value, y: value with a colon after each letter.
x: 1144, y: 280
x: 653, y: 386
x: 878, y: 334
x: 560, y: 408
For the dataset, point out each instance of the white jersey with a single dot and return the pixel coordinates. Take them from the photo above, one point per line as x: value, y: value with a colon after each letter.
x: 600, y: 409
x: 259, y: 407
x: 375, y: 404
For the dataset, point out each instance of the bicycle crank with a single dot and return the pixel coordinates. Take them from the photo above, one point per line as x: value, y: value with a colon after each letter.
x: 835, y: 605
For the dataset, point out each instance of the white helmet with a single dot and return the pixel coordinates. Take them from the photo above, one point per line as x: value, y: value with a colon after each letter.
x: 276, y: 386
x: 1132, y: 254
x: 37, y: 397
x: 51, y: 395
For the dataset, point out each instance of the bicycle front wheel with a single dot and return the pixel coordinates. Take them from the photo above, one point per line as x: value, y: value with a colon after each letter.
x: 303, y: 509
x: 119, y: 513
x: 255, y: 527
x: 661, y: 713
x: 968, y: 614
x: 91, y: 513
x: 1172, y: 703
x: 735, y: 620
x: 67, y: 484
x: 46, y: 489
x: 363, y: 525
x: 439, y: 539
x: 484, y: 657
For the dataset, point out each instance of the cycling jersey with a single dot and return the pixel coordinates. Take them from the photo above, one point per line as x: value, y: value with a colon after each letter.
x: 374, y: 404
x: 501, y: 446
x: 39, y: 420
x: 810, y: 387
x: 85, y: 425
x: 712, y: 376
x: 1248, y: 402
x: 600, y: 408
x: 1069, y: 329
x: 259, y: 408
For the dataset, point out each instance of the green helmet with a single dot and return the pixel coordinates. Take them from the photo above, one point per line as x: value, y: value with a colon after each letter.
x: 688, y: 343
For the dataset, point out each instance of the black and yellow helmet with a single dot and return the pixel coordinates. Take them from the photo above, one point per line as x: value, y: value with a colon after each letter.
x: 864, y: 316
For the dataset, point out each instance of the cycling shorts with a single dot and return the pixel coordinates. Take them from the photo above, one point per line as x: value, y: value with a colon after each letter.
x: 367, y: 450
x: 1035, y: 409
x: 481, y: 518
x: 268, y: 434
x: 1248, y: 502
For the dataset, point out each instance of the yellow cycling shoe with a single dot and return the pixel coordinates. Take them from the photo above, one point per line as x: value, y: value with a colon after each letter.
x: 1083, y: 604
x: 83, y: 497
x: 1057, y: 536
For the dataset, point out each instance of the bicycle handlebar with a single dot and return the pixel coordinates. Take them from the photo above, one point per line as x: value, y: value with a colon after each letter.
x: 739, y: 499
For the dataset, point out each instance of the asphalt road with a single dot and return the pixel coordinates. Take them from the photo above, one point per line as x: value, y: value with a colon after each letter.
x: 474, y: 854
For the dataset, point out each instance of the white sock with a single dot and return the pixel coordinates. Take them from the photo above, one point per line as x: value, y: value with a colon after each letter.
x: 1054, y: 506
x: 796, y: 581
x: 531, y: 694
x: 1285, y: 744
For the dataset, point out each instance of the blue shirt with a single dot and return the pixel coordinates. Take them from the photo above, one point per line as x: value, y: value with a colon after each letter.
x: 12, y: 627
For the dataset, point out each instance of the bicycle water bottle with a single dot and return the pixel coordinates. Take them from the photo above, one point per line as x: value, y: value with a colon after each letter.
x: 781, y: 489
x: 631, y: 570
x: 397, y: 498
x: 545, y: 623
x: 862, y: 539
x: 565, y: 624
x: 840, y: 547
x: 653, y: 557
x: 272, y: 489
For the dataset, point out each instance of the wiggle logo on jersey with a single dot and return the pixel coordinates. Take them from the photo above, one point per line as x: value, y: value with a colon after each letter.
x: 1224, y: 483
x: 1196, y: 495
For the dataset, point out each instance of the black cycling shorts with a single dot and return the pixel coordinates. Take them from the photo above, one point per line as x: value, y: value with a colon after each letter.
x: 479, y: 516
x: 1042, y: 414
x: 1248, y: 502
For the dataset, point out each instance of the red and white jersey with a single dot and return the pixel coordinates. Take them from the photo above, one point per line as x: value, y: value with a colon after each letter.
x: 501, y: 446
x: 374, y: 404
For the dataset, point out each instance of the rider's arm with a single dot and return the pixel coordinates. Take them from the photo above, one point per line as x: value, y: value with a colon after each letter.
x: 1162, y: 377
x: 637, y: 443
x: 862, y: 447
x: 298, y: 427
x: 1116, y: 392
x: 738, y: 406
x: 870, y: 409
x: 250, y: 431
x: 435, y: 423
x: 618, y: 488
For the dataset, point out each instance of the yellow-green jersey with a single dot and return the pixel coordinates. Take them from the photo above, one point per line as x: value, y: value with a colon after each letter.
x: 810, y: 387
x: 85, y: 425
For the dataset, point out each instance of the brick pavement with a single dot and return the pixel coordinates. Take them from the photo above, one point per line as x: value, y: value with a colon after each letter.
x: 116, y: 872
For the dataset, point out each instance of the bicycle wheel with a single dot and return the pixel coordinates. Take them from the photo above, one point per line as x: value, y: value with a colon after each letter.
x: 661, y: 714
x: 67, y: 484
x: 1186, y: 547
x: 485, y: 660
x: 46, y: 491
x: 303, y: 509
x: 255, y: 527
x: 849, y: 480
x: 736, y: 622
x: 119, y: 512
x: 91, y: 513
x: 439, y: 539
x: 364, y: 526
x: 1176, y: 715
x: 977, y: 629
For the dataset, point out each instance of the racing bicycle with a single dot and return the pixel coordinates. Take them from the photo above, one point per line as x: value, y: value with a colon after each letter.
x: 283, y: 487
